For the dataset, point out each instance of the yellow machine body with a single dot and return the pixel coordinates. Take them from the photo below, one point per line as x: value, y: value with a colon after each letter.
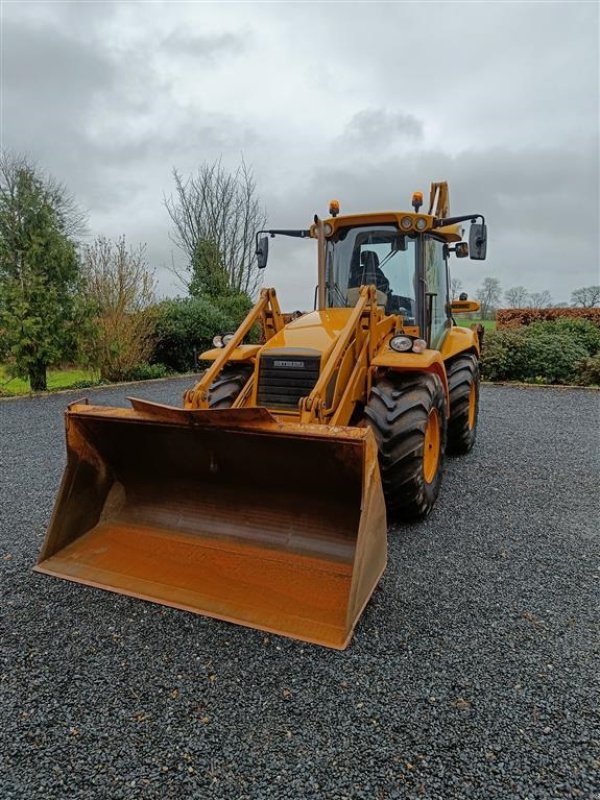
x: 272, y: 518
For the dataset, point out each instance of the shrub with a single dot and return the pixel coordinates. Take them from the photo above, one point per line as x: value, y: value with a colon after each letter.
x: 189, y: 324
x: 503, y: 356
x: 513, y: 317
x: 115, y: 344
x: 146, y: 372
x: 235, y: 305
x: 588, y: 371
x: 4, y: 348
x: 119, y: 292
x: 552, y: 358
x: 87, y: 384
x: 580, y: 330
x: 537, y: 356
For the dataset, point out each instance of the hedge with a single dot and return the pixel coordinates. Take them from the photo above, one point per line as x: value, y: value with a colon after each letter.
x: 563, y: 351
x: 514, y: 317
x: 582, y: 331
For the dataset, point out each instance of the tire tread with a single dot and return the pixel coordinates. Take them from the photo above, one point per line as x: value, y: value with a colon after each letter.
x: 462, y: 372
x: 397, y: 413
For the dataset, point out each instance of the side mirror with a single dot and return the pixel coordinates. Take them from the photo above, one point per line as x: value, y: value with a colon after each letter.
x: 478, y: 241
x: 461, y: 250
x: 262, y: 252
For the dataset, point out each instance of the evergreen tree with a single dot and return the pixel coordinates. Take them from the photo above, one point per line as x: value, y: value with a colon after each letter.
x: 208, y: 273
x: 39, y: 270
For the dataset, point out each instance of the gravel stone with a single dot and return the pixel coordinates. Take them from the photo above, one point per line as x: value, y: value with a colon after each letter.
x: 473, y: 672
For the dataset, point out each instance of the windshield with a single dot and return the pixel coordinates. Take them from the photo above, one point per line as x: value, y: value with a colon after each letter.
x: 375, y: 254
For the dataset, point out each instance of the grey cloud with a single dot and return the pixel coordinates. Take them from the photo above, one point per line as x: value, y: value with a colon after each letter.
x: 99, y: 119
x: 51, y: 84
x: 38, y: 66
x: 541, y: 206
x: 378, y: 127
x: 204, y: 48
x: 97, y: 94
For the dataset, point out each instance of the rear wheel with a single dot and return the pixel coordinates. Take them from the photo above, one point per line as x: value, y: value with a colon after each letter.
x: 463, y: 386
x: 228, y: 384
x: 407, y: 414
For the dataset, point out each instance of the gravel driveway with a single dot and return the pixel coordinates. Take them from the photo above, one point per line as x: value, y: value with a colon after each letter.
x: 473, y: 672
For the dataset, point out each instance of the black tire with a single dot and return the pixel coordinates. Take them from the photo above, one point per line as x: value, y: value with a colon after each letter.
x: 398, y: 412
x: 463, y: 386
x: 228, y: 384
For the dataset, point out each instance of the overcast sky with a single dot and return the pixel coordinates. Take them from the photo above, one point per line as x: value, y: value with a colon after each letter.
x: 365, y: 102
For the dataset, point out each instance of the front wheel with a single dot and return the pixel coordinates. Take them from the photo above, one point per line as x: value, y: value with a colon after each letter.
x: 463, y: 387
x: 407, y: 414
x: 228, y: 384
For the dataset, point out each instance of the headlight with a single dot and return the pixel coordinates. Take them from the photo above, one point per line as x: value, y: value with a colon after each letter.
x: 406, y: 223
x: 327, y: 229
x: 227, y: 338
x: 419, y: 345
x: 401, y: 343
x: 218, y: 341
x: 421, y: 223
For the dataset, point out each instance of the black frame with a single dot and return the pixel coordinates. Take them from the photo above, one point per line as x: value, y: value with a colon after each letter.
x: 423, y: 306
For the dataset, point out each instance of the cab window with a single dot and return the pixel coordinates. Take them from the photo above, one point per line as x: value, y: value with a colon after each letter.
x: 373, y: 255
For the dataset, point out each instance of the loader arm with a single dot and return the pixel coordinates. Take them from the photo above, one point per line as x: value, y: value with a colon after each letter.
x: 268, y: 312
x: 439, y: 199
x: 343, y: 379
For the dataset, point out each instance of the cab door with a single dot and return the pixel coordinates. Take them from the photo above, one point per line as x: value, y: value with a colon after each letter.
x: 436, y: 283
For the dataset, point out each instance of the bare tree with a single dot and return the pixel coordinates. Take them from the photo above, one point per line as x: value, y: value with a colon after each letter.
x: 489, y: 294
x: 587, y: 296
x: 516, y: 297
x: 219, y: 211
x: 541, y: 299
x: 456, y: 286
x: 120, y: 289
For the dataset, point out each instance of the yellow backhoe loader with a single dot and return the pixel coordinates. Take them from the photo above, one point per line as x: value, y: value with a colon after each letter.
x: 263, y: 500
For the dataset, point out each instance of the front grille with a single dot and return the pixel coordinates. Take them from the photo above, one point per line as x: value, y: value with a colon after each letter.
x: 283, y: 379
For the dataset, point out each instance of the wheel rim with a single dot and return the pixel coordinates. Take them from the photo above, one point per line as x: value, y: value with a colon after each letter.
x: 431, y: 446
x: 472, y: 406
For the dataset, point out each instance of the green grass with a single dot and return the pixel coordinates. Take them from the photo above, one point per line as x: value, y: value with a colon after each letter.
x: 463, y: 322
x: 57, y: 379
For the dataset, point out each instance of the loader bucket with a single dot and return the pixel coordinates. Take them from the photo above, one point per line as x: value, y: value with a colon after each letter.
x: 225, y: 513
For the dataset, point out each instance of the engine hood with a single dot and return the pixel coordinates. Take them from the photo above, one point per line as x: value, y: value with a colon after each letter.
x: 311, y: 334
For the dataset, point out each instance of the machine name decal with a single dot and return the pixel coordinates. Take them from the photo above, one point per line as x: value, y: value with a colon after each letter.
x: 293, y: 364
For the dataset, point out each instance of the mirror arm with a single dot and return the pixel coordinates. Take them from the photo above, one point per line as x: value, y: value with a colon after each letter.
x: 300, y: 234
x: 441, y: 223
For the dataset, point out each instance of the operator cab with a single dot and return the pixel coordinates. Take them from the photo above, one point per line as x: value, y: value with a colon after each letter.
x: 378, y: 255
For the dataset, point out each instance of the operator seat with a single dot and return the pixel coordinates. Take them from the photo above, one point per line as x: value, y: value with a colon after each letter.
x: 370, y: 273
x: 367, y: 274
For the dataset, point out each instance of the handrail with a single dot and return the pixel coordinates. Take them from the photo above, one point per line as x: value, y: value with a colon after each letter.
x: 321, y: 267
x: 267, y: 308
